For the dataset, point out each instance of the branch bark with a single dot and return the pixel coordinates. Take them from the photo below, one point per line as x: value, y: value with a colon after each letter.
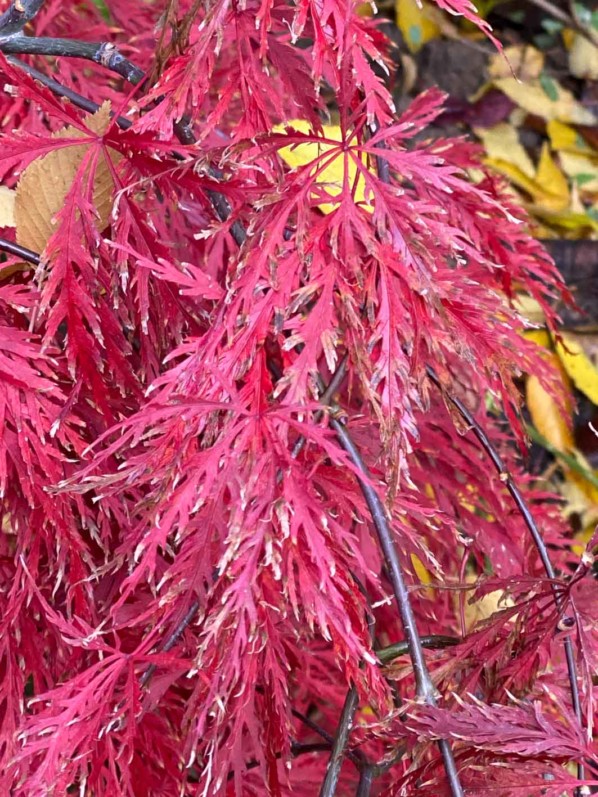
x: 17, y: 15
x: 104, y: 53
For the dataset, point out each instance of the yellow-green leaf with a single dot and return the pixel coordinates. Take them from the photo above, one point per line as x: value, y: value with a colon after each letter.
x: 416, y: 23
x: 534, y: 99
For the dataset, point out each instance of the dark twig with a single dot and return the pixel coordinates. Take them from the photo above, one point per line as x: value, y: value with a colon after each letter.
x: 20, y: 251
x: 340, y: 743
x: 423, y: 683
x: 104, y: 53
x: 174, y: 636
x: 536, y: 536
x: 432, y: 642
x: 63, y: 91
x: 17, y: 15
x: 366, y: 779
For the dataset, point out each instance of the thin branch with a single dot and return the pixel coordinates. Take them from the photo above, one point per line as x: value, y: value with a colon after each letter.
x: 104, y: 53
x: 20, y: 251
x: 366, y: 780
x: 423, y: 683
x: 20, y: 12
x: 569, y: 20
x: 63, y: 91
x: 536, y: 536
x: 432, y: 642
x: 174, y: 636
x: 340, y: 743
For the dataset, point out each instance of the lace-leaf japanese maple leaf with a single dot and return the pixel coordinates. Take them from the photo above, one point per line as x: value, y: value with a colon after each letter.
x: 237, y: 345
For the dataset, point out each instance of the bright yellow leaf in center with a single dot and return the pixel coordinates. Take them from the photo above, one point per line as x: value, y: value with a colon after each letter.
x: 330, y: 171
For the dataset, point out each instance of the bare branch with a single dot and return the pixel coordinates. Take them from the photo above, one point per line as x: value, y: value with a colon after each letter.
x: 340, y: 743
x: 533, y: 529
x: 19, y: 13
x: 105, y: 54
x: 19, y: 251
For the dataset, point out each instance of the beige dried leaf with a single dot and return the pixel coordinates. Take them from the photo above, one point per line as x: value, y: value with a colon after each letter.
x: 7, y: 206
x: 44, y: 184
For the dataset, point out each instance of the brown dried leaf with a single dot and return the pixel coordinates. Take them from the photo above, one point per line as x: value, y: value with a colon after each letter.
x: 46, y: 181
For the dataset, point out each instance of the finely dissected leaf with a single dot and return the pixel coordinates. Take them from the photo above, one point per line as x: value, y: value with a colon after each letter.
x: 335, y: 172
x: 44, y: 184
x: 190, y: 576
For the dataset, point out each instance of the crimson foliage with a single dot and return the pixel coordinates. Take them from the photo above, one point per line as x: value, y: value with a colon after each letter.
x: 189, y: 574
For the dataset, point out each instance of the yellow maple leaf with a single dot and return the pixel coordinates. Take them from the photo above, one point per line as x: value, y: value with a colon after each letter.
x: 332, y: 171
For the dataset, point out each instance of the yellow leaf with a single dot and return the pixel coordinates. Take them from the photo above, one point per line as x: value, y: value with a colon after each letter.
x: 583, y: 58
x: 535, y: 99
x: 564, y: 138
x: 582, y: 538
x: 552, y: 420
x: 530, y: 309
x: 332, y: 175
x: 44, y: 184
x: 542, y: 197
x: 7, y: 207
x: 521, y: 60
x: 579, y: 361
x: 423, y: 574
x: 566, y: 219
x: 476, y: 611
x: 539, y: 336
x: 416, y: 22
x: 501, y: 143
x: 552, y: 180
x: 365, y: 10
x: 582, y: 170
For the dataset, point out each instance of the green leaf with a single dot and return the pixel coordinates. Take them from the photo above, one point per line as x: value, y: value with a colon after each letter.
x: 550, y: 87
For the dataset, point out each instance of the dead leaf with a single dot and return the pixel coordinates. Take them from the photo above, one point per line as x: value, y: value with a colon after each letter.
x: 46, y: 181
x: 501, y: 143
x: 7, y: 207
x: 583, y: 58
x: 546, y: 99
x: 521, y: 60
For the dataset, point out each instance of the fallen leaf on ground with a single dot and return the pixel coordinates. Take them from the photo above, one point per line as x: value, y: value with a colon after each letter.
x: 521, y: 60
x: 547, y: 99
